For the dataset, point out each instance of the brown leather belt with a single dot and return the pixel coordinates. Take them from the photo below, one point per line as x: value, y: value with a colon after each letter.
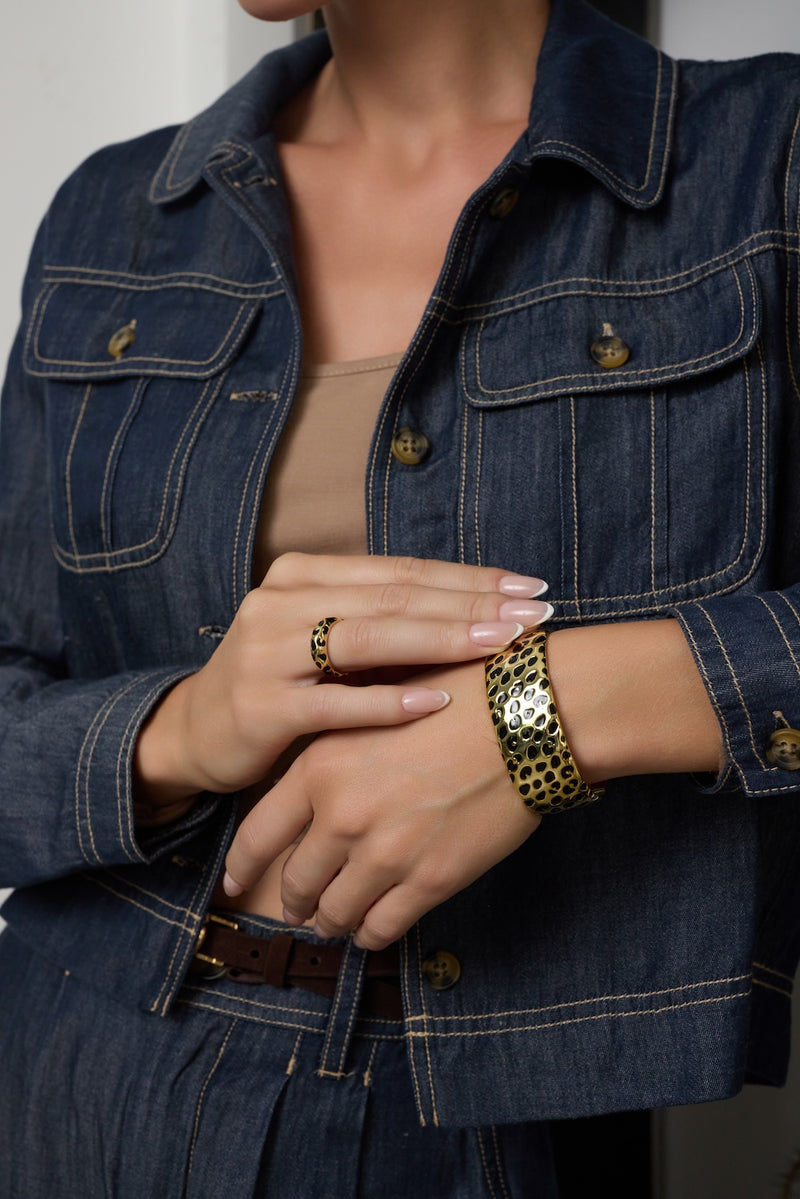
x: 282, y: 960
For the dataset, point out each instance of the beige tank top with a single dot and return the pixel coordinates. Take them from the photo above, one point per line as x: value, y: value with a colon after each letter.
x: 314, y: 496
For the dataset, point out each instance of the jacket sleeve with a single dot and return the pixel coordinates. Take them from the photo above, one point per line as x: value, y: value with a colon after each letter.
x: 65, y: 745
x: 747, y: 647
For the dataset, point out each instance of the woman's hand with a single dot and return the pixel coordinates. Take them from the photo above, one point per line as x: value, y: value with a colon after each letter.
x: 399, y: 819
x: 222, y: 728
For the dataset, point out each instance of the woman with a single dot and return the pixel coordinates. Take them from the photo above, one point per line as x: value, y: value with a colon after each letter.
x: 557, y: 357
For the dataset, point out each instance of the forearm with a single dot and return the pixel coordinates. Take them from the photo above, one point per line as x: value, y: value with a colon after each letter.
x: 631, y: 700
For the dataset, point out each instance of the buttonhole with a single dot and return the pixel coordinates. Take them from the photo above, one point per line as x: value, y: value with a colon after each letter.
x: 253, y: 397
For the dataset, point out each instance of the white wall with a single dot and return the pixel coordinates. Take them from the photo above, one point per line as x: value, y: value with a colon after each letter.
x: 728, y: 28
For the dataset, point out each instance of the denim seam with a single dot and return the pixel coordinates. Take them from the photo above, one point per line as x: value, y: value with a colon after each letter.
x: 759, y: 982
x: 358, y: 982
x: 230, y: 340
x: 748, y: 497
x: 627, y: 288
x: 462, y: 486
x: 291, y: 1065
x: 484, y: 1163
x: 241, y: 1000
x: 557, y: 1007
x: 786, y: 201
x: 232, y: 289
x: 199, y: 903
x: 150, y: 894
x: 652, y: 491
x: 778, y: 973
x: 778, y: 626
x: 413, y: 1034
x: 723, y: 649
x: 499, y: 1163
x: 68, y: 468
x: 367, y: 1076
x: 429, y: 1065
x: 709, y: 685
x: 655, y: 373
x: 573, y: 439
x: 478, y: 482
x: 202, y: 1095
x: 84, y: 766
x: 164, y: 175
x: 179, y: 924
x: 654, y: 126
x: 112, y: 462
x: 240, y: 554
x: 77, y: 563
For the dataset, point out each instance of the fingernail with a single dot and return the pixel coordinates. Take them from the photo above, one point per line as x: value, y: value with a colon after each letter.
x: 231, y: 887
x: 495, y: 634
x: 291, y: 918
x: 528, y: 612
x: 318, y: 932
x: 523, y: 586
x: 424, y: 699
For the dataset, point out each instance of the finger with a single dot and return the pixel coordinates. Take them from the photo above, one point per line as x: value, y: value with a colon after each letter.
x: 360, y: 643
x: 270, y: 827
x: 339, y: 706
x: 308, y: 872
x: 343, y: 903
x: 295, y: 570
x: 391, y: 916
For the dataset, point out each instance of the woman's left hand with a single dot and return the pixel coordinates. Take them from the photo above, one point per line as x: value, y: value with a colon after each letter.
x: 396, y: 819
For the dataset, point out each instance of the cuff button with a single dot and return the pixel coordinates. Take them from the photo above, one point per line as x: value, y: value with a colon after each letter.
x: 783, y: 750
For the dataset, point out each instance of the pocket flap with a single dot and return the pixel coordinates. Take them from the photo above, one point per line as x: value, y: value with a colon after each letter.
x: 539, y: 345
x: 178, y: 328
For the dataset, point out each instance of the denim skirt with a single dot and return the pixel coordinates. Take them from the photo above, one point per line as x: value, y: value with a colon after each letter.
x: 240, y: 1091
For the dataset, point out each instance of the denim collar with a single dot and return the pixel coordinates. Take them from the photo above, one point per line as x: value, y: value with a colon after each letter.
x: 604, y: 99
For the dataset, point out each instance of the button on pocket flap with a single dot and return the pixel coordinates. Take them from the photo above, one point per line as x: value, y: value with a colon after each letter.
x: 93, y: 330
x: 594, y: 336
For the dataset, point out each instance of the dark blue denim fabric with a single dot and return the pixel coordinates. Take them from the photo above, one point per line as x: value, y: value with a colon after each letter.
x: 237, y: 1092
x: 635, y: 954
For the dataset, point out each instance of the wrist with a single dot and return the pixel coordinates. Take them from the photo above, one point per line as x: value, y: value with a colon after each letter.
x: 162, y: 773
x: 631, y: 700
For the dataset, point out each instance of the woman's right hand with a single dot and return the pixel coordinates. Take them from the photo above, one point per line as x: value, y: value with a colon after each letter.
x: 222, y: 728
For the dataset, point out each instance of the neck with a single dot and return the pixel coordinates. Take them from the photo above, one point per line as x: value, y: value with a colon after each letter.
x: 419, y: 70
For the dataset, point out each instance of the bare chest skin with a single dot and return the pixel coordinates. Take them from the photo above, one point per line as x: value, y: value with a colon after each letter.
x: 369, y: 243
x: 370, y: 237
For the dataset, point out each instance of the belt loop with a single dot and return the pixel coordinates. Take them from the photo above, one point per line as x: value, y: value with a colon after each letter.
x: 344, y: 1009
x: 276, y: 960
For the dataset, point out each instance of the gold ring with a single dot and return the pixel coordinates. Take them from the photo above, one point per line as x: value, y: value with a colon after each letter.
x: 319, y: 646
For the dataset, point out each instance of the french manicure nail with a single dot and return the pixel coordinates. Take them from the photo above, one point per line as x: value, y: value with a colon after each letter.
x: 528, y: 612
x: 231, y: 887
x: 420, y: 700
x: 522, y: 586
x: 291, y: 918
x: 495, y: 634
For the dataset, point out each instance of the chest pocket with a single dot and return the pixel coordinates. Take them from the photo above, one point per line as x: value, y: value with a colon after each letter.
x: 131, y: 371
x: 628, y: 488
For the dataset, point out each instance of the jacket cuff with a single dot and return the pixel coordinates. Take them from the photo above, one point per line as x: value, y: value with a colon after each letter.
x: 104, y: 780
x: 747, y: 648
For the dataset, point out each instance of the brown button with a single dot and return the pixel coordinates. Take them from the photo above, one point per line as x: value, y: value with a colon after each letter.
x: 610, y: 351
x: 784, y: 749
x: 503, y: 202
x: 410, y: 446
x: 120, y: 340
x: 442, y: 970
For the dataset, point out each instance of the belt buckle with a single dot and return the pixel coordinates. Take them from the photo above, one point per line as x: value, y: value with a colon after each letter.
x: 202, y: 961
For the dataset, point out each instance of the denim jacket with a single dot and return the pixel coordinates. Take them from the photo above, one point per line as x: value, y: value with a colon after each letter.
x: 639, y: 952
